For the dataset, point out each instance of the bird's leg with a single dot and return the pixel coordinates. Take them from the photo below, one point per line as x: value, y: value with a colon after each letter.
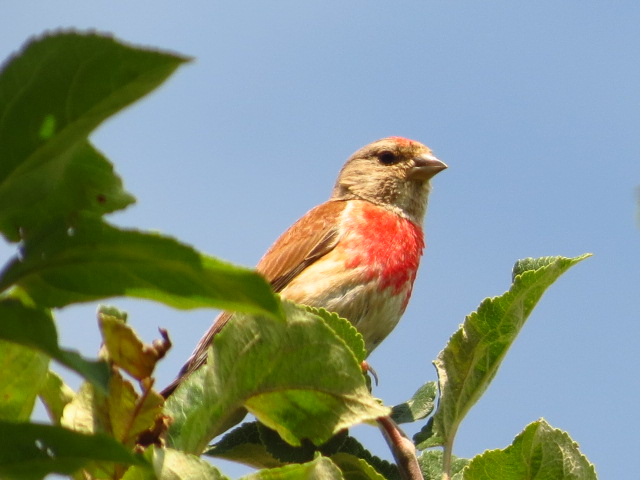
x: 368, y: 369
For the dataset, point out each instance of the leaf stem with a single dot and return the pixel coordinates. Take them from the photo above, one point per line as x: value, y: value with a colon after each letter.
x: 446, y: 458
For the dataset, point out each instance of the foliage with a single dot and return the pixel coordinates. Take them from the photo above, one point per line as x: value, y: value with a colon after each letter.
x: 56, y: 188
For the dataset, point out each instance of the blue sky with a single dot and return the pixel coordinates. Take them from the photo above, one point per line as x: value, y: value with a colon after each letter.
x: 536, y: 109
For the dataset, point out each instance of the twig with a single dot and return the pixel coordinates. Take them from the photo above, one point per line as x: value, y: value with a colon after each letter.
x: 402, y: 448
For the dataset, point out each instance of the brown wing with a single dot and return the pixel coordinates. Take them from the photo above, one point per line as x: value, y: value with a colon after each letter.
x: 311, y: 237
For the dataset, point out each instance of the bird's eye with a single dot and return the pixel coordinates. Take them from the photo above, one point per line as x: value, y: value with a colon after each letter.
x: 387, y: 157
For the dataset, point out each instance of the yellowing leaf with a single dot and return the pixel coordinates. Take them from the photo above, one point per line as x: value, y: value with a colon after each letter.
x: 126, y: 350
x: 130, y: 413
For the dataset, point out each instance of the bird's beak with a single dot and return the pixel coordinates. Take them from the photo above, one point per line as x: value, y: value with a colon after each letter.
x: 425, y: 167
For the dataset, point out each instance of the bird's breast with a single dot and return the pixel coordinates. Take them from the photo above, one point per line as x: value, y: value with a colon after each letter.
x: 368, y: 276
x: 387, y: 246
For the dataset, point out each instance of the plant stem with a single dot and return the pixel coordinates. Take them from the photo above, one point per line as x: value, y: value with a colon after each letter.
x: 446, y: 458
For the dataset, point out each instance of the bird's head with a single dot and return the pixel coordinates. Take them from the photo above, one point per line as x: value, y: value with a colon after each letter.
x: 394, y: 173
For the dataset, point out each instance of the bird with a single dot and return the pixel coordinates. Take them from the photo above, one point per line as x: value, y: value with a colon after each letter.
x: 357, y: 254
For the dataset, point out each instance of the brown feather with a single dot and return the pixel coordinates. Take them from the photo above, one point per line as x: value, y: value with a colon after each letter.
x: 309, y: 239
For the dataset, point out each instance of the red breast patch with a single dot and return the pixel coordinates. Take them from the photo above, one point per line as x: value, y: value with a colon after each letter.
x: 389, y: 245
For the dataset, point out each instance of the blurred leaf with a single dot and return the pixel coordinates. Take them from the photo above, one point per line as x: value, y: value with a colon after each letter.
x: 80, y: 179
x: 319, y: 469
x: 125, y: 349
x: 52, y: 95
x: 305, y: 452
x: 353, y: 447
x: 295, y: 376
x: 122, y: 413
x: 114, y: 312
x: 540, y: 451
x: 169, y: 464
x: 34, y: 328
x: 87, y: 412
x: 474, y: 353
x: 55, y: 395
x: 22, y: 373
x: 431, y: 465
x: 94, y: 260
x: 244, y: 445
x: 354, y: 468
x: 130, y: 413
x: 417, y: 407
x: 140, y: 473
x: 30, y: 451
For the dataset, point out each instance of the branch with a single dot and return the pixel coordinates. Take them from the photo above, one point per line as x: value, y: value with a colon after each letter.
x: 402, y: 448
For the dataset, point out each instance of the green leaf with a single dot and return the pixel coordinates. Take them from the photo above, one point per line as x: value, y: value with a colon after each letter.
x: 354, y: 468
x: 34, y: 328
x: 55, y: 395
x: 540, y: 451
x: 249, y: 445
x: 474, y: 353
x: 79, y: 180
x: 23, y: 371
x: 431, y: 465
x: 88, y: 411
x: 344, y: 329
x: 93, y: 260
x: 31, y: 451
x: 305, y: 452
x: 52, y: 95
x: 169, y: 464
x: 352, y: 447
x: 129, y: 413
x: 295, y: 376
x: 417, y: 407
x: 122, y: 414
x: 319, y: 469
x: 244, y: 445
